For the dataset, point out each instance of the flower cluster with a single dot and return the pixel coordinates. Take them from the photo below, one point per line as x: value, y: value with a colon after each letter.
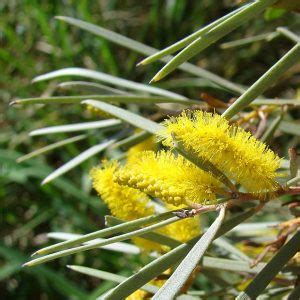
x: 128, y: 203
x: 130, y: 190
x: 170, y: 178
x: 231, y: 149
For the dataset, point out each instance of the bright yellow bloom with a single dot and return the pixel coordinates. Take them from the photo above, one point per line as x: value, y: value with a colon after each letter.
x: 124, y: 202
x: 173, y: 179
x: 230, y: 148
x: 139, y: 295
x: 147, y: 144
x: 128, y: 203
x: 184, y: 230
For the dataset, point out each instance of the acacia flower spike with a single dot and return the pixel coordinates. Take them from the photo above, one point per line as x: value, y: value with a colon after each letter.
x: 128, y: 203
x: 203, y: 164
x: 173, y: 179
x: 124, y: 202
x: 230, y: 148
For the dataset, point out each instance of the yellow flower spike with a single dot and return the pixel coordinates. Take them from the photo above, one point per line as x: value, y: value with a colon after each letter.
x: 231, y: 149
x: 139, y: 295
x: 147, y: 144
x: 176, y: 180
x: 124, y: 202
x: 185, y: 229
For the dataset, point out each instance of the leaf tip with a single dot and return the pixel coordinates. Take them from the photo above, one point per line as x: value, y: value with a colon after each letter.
x: 19, y: 160
x: 46, y: 180
x: 154, y: 79
x: 141, y: 63
x: 27, y: 264
x: 14, y: 102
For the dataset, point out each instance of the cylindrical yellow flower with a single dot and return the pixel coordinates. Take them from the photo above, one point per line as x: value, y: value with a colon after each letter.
x: 147, y: 144
x: 128, y: 204
x: 185, y: 229
x: 171, y: 178
x: 231, y: 149
x: 124, y: 202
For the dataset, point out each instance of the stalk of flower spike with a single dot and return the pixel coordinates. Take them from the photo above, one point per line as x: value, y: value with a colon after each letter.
x: 231, y: 149
x: 171, y: 178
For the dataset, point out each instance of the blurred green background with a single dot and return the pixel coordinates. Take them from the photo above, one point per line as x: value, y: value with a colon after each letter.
x: 33, y: 43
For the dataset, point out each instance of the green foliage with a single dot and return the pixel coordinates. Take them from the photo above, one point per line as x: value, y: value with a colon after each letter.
x: 35, y: 43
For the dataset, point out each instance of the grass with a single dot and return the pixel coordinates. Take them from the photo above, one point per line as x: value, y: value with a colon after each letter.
x: 33, y: 43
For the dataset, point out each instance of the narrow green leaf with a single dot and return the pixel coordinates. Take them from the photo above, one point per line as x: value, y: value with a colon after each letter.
x: 187, y: 40
x: 227, y: 246
x: 167, y: 260
x: 152, y: 236
x: 90, y: 87
x: 110, y: 123
x: 213, y: 35
x: 289, y: 34
x: 277, y: 102
x: 126, y: 116
x: 290, y: 127
x: 77, y: 160
x: 126, y: 227
x: 269, y: 133
x: 230, y: 265
x: 264, y: 82
x: 254, y: 229
x: 293, y: 181
x: 182, y: 273
x: 132, y: 140
x: 109, y: 276
x: 51, y: 147
x: 263, y: 278
x: 113, y: 80
x: 249, y: 40
x: 117, y: 247
x: 146, y: 50
x: 93, y: 245
x: 190, y: 82
x: 106, y: 98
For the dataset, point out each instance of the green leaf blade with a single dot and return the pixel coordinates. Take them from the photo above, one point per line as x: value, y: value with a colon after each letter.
x: 182, y: 273
x: 127, y: 116
x: 265, y: 81
x: 77, y: 160
x: 263, y: 278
